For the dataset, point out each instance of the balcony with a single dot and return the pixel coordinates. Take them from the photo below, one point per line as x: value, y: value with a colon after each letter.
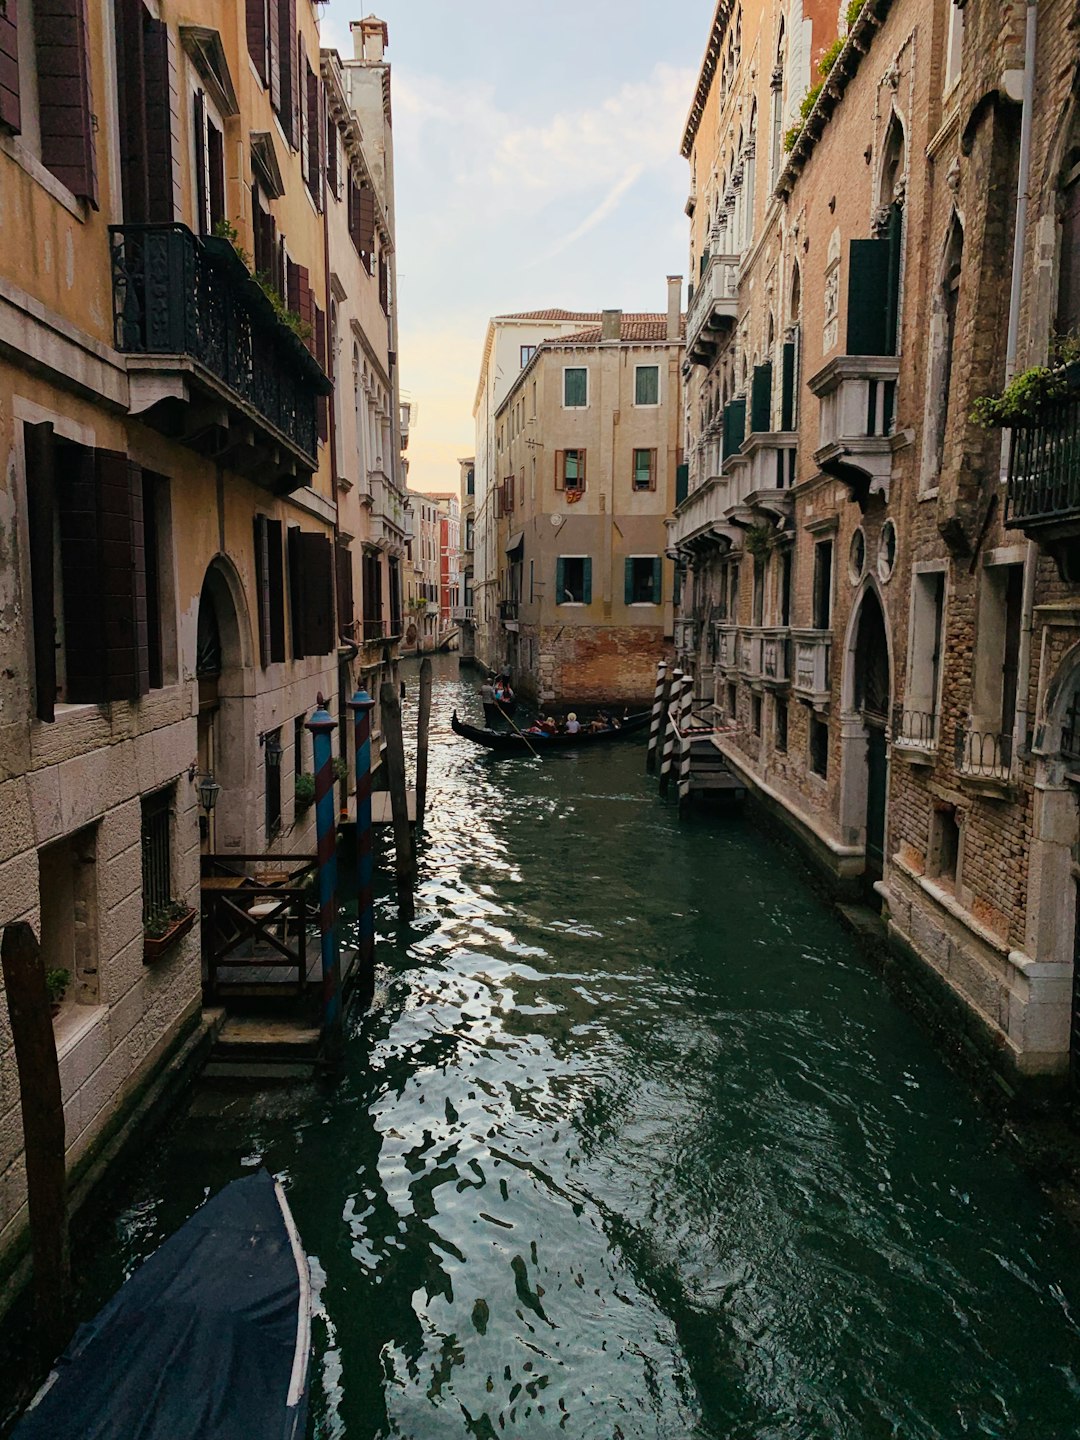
x: 725, y: 635
x: 984, y: 759
x: 463, y: 614
x: 764, y: 655
x: 1043, y: 495
x: 687, y: 632
x: 810, y: 658
x: 209, y: 362
x: 713, y: 310
x: 770, y: 473
x: 508, y: 612
x: 857, y: 396
x: 915, y: 735
x: 699, y: 519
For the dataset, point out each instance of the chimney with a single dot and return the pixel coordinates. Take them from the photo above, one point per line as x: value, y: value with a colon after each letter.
x: 370, y: 39
x: 611, y: 325
x: 674, y: 306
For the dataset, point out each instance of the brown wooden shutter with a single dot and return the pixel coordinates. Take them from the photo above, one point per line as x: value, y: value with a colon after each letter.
x: 322, y: 404
x: 384, y: 284
x: 314, y: 137
x: 581, y: 469
x: 80, y: 567
x: 273, y: 52
x: 200, y: 163
x: 123, y: 576
x: 302, y: 118
x: 306, y: 304
x: 296, y: 592
x: 131, y: 88
x: 345, y: 601
x: 560, y: 470
x: 152, y: 488
x: 216, y: 166
x: 332, y: 152
x: 275, y: 572
x: 10, y: 111
x: 318, y: 568
x: 159, y: 156
x: 257, y: 36
x: 41, y: 520
x: 292, y: 285
x: 62, y: 42
x: 295, y: 78
x: 262, y: 589
x: 367, y: 224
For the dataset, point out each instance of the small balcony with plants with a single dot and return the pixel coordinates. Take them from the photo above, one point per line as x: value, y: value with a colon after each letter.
x: 215, y: 359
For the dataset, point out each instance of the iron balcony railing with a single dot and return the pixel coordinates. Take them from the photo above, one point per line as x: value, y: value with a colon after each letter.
x: 915, y: 729
x: 508, y: 609
x: 174, y: 294
x: 1044, y: 463
x: 984, y: 754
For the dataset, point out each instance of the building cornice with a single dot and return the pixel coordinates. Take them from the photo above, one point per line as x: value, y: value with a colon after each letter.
x: 705, y: 75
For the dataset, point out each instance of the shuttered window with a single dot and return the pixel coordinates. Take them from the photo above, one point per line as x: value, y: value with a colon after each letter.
x: 647, y: 385
x: 346, y: 603
x: 322, y: 404
x: 1068, y: 306
x: 65, y: 111
x: 145, y: 117
x: 285, y: 94
x: 644, y: 470
x: 642, y: 580
x: 311, y: 593
x: 10, y: 111
x: 575, y: 387
x: 313, y: 102
x: 761, y: 398
x: 872, y: 291
x: 788, y: 359
x: 258, y: 36
x: 734, y: 426
x: 366, y: 226
x: 332, y: 154
x: 270, y: 589
x: 570, y: 470
x: 573, y: 580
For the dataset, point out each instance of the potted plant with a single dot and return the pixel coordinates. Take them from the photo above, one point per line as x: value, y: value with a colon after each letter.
x: 56, y: 983
x: 341, y: 768
x: 1026, y: 395
x: 304, y: 791
x: 163, y: 927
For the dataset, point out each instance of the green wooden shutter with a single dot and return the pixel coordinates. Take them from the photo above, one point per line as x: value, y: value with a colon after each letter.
x: 761, y: 398
x: 868, y: 292
x: 628, y: 581
x: 560, y: 580
x: 894, y: 236
x: 657, y: 580
x: 734, y: 426
x: 586, y: 593
x: 41, y: 517
x: 682, y: 483
x: 787, y: 386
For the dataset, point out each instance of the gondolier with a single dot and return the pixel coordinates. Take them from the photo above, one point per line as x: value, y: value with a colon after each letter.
x: 540, y: 740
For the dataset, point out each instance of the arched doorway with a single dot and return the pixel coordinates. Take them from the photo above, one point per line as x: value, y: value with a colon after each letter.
x: 865, y: 754
x: 226, y: 722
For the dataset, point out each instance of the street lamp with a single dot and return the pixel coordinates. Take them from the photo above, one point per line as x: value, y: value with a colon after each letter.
x: 272, y: 747
x: 208, y: 791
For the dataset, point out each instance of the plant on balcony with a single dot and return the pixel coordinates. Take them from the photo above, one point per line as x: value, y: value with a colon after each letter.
x: 830, y: 57
x: 163, y: 926
x: 304, y: 791
x: 1026, y: 394
x: 226, y: 230
x: 854, y: 10
x: 758, y: 540
x: 809, y: 100
x: 56, y: 984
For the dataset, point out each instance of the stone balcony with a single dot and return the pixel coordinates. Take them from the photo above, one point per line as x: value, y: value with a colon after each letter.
x: 1043, y: 496
x: 810, y: 658
x: 771, y: 456
x: 857, y: 398
x: 726, y: 634
x: 764, y: 653
x: 210, y: 363
x: 700, y: 519
x: 713, y: 310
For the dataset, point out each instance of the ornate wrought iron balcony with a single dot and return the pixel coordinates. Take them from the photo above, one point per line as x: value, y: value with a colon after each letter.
x: 1043, y: 497
x: 211, y: 363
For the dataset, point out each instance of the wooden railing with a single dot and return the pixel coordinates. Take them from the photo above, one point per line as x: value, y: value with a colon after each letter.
x: 256, y: 910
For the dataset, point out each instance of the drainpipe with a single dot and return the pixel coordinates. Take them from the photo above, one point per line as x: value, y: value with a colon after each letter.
x: 1031, y: 558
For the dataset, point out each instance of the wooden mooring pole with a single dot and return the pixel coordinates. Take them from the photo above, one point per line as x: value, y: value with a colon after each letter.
x: 399, y: 800
x: 322, y: 726
x: 361, y: 706
x: 43, y: 1133
x: 656, y: 723
x: 686, y: 704
x: 669, y: 731
x: 423, y: 721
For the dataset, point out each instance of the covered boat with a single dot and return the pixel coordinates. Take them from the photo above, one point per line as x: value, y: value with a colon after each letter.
x: 209, y: 1338
x: 514, y: 743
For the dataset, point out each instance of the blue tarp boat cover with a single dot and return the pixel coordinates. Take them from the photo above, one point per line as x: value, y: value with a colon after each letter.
x: 209, y: 1339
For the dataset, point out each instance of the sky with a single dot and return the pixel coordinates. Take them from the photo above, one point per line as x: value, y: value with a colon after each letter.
x: 537, y: 164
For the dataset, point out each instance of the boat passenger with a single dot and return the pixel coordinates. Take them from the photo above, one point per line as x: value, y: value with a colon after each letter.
x: 549, y: 727
x: 573, y: 724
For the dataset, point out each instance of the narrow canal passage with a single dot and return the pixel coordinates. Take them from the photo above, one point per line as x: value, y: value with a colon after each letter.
x: 634, y: 1145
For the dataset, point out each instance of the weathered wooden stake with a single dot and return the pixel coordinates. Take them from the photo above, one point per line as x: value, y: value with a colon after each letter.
x: 43, y: 1133
x: 423, y: 720
x: 361, y: 706
x: 322, y: 726
x: 399, y: 799
x: 669, y: 732
x: 656, y: 724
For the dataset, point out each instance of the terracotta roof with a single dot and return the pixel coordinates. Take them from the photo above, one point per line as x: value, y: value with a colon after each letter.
x: 552, y: 315
x: 634, y: 327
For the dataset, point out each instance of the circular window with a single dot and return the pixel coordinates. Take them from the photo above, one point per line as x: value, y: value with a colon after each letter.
x: 857, y: 556
x: 886, y: 550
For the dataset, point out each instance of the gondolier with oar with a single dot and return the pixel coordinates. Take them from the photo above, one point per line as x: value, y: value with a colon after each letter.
x: 492, y: 713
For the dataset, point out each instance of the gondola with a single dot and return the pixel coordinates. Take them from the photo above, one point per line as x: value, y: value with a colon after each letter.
x: 208, y: 1340
x: 505, y: 742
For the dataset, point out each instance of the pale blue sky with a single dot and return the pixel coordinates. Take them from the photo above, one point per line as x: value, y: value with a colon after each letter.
x: 537, y: 165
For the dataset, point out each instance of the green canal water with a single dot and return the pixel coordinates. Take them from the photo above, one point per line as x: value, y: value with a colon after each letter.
x: 634, y: 1145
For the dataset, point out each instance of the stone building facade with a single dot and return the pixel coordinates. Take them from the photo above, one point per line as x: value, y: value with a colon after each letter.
x: 587, y: 446
x: 889, y: 656
x: 178, y: 554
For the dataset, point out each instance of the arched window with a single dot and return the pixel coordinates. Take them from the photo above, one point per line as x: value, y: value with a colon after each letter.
x: 942, y: 341
x: 889, y: 223
x: 1067, y: 317
x: 776, y: 118
x: 790, y: 358
x: 750, y: 164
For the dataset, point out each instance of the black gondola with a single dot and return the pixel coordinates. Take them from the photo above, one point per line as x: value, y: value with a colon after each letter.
x: 208, y: 1340
x: 505, y: 742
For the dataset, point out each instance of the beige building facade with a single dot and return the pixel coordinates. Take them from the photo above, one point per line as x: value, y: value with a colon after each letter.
x: 587, y: 448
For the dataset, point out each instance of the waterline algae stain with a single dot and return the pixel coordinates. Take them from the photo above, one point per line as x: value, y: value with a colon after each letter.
x: 633, y: 1145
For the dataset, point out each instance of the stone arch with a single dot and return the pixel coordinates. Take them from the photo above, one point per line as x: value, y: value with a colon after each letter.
x: 224, y: 668
x: 867, y: 689
x: 892, y: 169
x: 943, y: 311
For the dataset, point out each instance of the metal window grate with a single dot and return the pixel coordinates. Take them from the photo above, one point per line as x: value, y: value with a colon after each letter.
x: 156, y: 852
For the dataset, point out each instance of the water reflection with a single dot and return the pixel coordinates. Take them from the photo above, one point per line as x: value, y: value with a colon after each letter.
x: 632, y: 1145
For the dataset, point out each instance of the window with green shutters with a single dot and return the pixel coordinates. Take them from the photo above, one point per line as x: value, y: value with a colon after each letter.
x: 643, y: 580
x: 647, y: 385
x: 573, y: 580
x: 682, y: 483
x: 874, y: 292
x: 644, y: 469
x: 575, y: 387
x: 761, y: 399
x: 787, y: 382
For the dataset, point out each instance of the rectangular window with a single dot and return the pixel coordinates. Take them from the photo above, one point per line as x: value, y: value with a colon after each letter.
x: 527, y: 352
x: 823, y: 570
x: 819, y: 746
x: 573, y: 580
x: 944, y: 845
x: 643, y: 579
x: 780, y: 716
x: 156, y: 852
x: 298, y: 744
x: 272, y: 781
x: 646, y: 385
x: 732, y: 702
x: 757, y: 599
x: 924, y: 665
x: 755, y: 715
x: 644, y: 469
x: 270, y: 589
x: 470, y: 483
x: 45, y: 88
x: 145, y: 117
x: 312, y: 579
x: 570, y: 470
x: 575, y: 387
x: 997, y: 648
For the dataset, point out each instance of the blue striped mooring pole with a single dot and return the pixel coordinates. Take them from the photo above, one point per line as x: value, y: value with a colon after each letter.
x: 361, y: 706
x: 322, y: 726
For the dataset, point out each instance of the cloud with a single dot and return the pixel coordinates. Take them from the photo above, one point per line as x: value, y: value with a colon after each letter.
x: 606, y: 207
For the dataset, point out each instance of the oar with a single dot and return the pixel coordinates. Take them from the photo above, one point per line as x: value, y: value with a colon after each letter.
x: 507, y: 718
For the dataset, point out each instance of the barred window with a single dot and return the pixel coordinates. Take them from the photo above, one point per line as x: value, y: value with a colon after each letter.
x: 156, y: 851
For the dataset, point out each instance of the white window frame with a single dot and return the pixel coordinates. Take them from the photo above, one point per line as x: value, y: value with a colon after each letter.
x: 571, y: 604
x: 588, y: 387
x: 655, y: 404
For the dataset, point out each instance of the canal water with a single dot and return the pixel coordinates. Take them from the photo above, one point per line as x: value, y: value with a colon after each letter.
x: 634, y: 1145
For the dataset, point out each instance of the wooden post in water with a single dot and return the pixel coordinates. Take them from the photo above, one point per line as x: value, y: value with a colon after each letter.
x: 423, y: 720
x: 43, y: 1133
x: 362, y: 705
x: 399, y: 799
x: 322, y: 726
x: 656, y: 723
x: 669, y: 730
x: 685, y: 753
